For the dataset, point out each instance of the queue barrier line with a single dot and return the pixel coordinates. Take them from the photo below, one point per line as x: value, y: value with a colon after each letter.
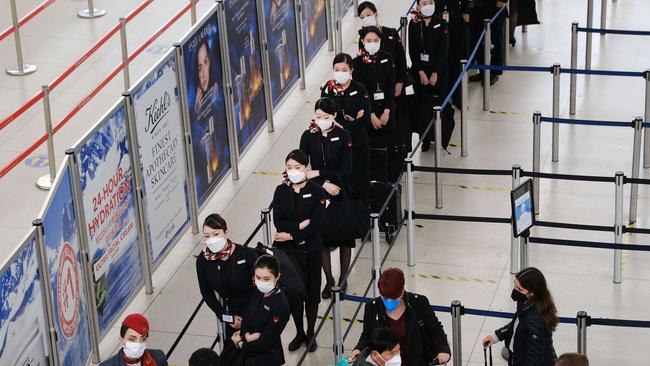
x: 587, y: 122
x: 603, y: 72
x: 634, y: 230
x: 562, y: 70
x: 614, y: 31
x: 589, y: 244
x: 636, y: 181
x: 585, y: 227
x: 524, y: 173
x: 512, y: 68
x: 29, y: 16
x: 582, y: 178
x: 421, y: 168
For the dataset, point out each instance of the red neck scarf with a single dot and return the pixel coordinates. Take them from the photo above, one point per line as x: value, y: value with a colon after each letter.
x: 366, y: 57
x: 416, y: 16
x: 207, y: 254
x: 313, y: 127
x: 145, y: 360
x: 333, y: 88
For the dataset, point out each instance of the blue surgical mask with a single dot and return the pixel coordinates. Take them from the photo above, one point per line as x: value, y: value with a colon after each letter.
x: 390, y: 304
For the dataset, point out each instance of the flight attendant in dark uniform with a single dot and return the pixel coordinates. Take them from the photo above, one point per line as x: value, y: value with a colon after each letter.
x: 265, y: 318
x: 353, y: 114
x: 428, y: 48
x: 486, y: 9
x: 391, y: 42
x: 226, y: 269
x: 298, y: 207
x: 329, y: 148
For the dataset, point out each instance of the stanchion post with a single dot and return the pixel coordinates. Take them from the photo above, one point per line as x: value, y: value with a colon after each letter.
x: 338, y: 319
x: 91, y: 11
x: 514, y: 241
x: 582, y: 321
x: 507, y: 35
x: 338, y: 33
x: 376, y: 253
x: 45, y: 182
x: 487, y: 59
x: 574, y: 65
x: 266, y: 65
x: 302, y: 58
x: 21, y: 68
x: 618, y: 226
x: 356, y: 6
x: 403, y: 24
x: 556, y: 112
x: 125, y: 54
x: 456, y: 333
x: 193, y: 11
x: 437, y: 125
x: 636, y: 162
x: 590, y: 24
x: 603, y: 16
x: 464, y: 109
x: 537, y: 139
x: 330, y: 25
x: 646, y: 135
x: 410, y: 228
x: 523, y: 252
x: 266, y: 217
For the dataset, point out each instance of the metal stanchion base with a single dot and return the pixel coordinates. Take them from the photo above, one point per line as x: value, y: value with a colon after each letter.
x: 86, y: 14
x: 44, y: 182
x: 15, y: 70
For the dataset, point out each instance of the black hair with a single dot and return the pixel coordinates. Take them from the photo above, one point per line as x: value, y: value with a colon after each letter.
x: 366, y: 5
x: 326, y: 105
x: 383, y: 339
x: 342, y: 57
x: 363, y: 32
x: 204, y: 43
x: 123, y: 330
x: 204, y: 357
x: 215, y: 222
x: 268, y: 262
x: 299, y: 156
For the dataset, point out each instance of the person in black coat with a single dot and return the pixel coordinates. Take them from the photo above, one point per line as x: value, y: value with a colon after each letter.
x: 226, y: 269
x: 486, y: 9
x: 298, y: 207
x: 529, y: 336
x: 353, y: 114
x: 421, y: 336
x: 428, y: 48
x: 265, y: 318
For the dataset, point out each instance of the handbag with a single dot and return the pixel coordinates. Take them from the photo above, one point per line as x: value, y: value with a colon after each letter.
x: 345, y: 218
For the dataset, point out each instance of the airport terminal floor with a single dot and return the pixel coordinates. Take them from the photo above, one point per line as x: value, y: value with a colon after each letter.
x: 465, y: 259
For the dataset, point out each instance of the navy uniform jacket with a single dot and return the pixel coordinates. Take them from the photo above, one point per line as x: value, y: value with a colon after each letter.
x: 267, y: 316
x: 118, y: 359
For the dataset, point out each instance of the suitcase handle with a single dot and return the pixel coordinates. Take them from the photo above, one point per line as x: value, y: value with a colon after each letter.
x: 485, y: 354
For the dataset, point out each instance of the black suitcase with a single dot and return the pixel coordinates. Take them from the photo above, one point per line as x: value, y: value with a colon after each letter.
x: 391, y: 219
x: 385, y: 164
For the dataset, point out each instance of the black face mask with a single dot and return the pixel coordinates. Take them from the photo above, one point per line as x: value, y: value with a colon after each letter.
x: 517, y: 296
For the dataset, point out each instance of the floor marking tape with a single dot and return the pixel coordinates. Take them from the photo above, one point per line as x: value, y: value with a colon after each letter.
x: 274, y: 174
x: 452, y: 278
x: 347, y: 320
x: 508, y: 113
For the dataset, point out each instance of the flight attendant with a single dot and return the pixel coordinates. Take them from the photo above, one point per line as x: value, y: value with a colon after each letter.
x: 353, y: 114
x: 298, y: 207
x: 265, y: 318
x: 224, y: 268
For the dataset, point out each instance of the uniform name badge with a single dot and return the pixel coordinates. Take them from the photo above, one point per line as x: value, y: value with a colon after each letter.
x: 424, y: 57
x: 227, y: 318
x: 308, y: 195
x: 409, y: 90
x: 378, y: 96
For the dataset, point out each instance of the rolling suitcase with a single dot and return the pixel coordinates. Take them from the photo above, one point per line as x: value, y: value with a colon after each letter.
x: 385, y: 164
x: 391, y: 219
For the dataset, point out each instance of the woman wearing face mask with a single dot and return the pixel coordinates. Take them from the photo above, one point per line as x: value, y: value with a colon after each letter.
x: 353, y: 113
x: 226, y: 269
x: 384, y: 350
x: 420, y: 334
x: 133, y: 339
x: 298, y: 207
x: 529, y: 336
x: 265, y: 318
x: 428, y: 48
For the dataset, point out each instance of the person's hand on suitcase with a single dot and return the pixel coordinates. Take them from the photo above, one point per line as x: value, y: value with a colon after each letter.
x: 424, y: 80
x: 332, y: 189
x: 443, y: 358
x: 488, y: 341
x: 304, y: 224
x: 384, y: 117
x: 376, y: 122
x: 398, y: 89
x: 282, y: 236
x: 433, y: 79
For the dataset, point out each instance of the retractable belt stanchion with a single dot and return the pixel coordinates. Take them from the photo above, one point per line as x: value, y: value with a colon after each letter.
x: 330, y: 24
x: 410, y: 234
x: 507, y: 35
x: 603, y: 16
x: 125, y: 53
x: 356, y: 6
x: 21, y: 68
x: 338, y: 33
x: 438, y: 153
x: 338, y: 329
x: 646, y: 135
x: 193, y: 11
x: 556, y: 112
x: 376, y: 254
x: 302, y: 59
x: 487, y: 59
x: 266, y: 65
x: 574, y: 65
x: 91, y: 11
x: 456, y: 333
x: 590, y: 24
x: 45, y: 182
x: 636, y: 162
x: 266, y: 217
x: 618, y: 226
x: 537, y: 139
x: 514, y: 241
x: 582, y: 322
x: 464, y: 109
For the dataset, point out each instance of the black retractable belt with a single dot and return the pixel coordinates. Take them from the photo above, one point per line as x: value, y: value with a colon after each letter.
x: 485, y: 354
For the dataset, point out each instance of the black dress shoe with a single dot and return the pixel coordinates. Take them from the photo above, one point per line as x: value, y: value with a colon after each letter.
x: 494, y: 79
x: 312, y: 346
x: 513, y: 41
x: 426, y: 146
x: 297, y: 341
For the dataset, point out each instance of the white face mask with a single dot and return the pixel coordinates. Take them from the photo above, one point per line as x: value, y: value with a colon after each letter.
x: 341, y: 77
x: 324, y: 124
x: 215, y: 244
x: 265, y: 287
x: 428, y: 10
x: 372, y: 47
x: 395, y: 361
x: 295, y: 176
x: 134, y: 350
x: 369, y: 21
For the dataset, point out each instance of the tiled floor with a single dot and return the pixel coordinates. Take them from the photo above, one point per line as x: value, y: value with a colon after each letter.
x: 579, y: 278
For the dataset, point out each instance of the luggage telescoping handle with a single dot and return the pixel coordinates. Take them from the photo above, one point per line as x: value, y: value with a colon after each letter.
x: 485, y: 354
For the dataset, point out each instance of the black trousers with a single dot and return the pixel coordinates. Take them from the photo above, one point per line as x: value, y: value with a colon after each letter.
x: 497, y: 35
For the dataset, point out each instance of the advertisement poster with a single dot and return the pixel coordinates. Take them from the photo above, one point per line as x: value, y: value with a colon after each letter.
x: 314, y: 25
x: 246, y: 69
x: 23, y: 327
x: 280, y: 18
x: 65, y: 275
x: 111, y: 219
x: 208, y: 124
x: 156, y: 103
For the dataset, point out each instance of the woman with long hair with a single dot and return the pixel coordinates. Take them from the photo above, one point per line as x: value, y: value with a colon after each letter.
x: 529, y: 336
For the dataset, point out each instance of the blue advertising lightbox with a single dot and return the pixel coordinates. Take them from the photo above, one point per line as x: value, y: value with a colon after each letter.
x: 314, y: 25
